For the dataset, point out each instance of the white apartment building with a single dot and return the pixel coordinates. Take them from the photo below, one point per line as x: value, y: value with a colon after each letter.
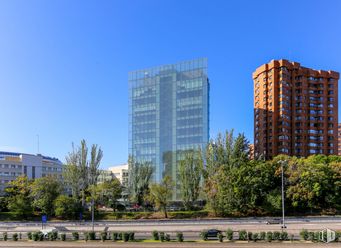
x: 14, y: 164
x: 121, y: 173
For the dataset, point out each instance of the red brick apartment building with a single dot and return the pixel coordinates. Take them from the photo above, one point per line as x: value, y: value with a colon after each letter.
x: 295, y: 110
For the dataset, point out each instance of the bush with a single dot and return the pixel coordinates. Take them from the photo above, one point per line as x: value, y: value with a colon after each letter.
x: 20, y: 236
x: 220, y: 237
x: 204, y: 235
x: 162, y: 236
x: 86, y: 236
x: 15, y: 237
x: 255, y: 237
x: 91, y: 236
x: 304, y: 234
x: 268, y: 236
x: 36, y: 236
x: 120, y: 236
x: 52, y: 236
x: 75, y: 235
x: 242, y: 235
x: 131, y: 236
x: 125, y: 236
x: 249, y: 235
x: 317, y: 236
x: 337, y: 236
x: 4, y: 235
x: 104, y: 236
x: 167, y: 238
x: 66, y: 207
x: 284, y: 236
x: 63, y: 236
x: 155, y: 235
x: 276, y: 235
x: 114, y: 236
x: 229, y: 234
x: 180, y: 237
x: 29, y: 236
x: 262, y: 235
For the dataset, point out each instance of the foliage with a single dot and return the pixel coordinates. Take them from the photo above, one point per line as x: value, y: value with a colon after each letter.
x: 139, y: 179
x: 242, y: 235
x: 190, y: 174
x: 75, y: 235
x: 29, y: 236
x: 66, y: 207
x: 229, y: 234
x: 269, y: 236
x: 15, y: 237
x: 204, y: 235
x: 91, y: 235
x: 19, y: 198
x: 125, y: 236
x: 108, y: 192
x: 104, y: 236
x: 180, y: 237
x: 5, y: 236
x: 44, y: 191
x: 63, y: 236
x: 155, y: 235
x: 160, y: 193
x: 162, y: 236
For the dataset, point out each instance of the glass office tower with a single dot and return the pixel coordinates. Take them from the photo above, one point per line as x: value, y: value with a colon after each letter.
x: 168, y: 114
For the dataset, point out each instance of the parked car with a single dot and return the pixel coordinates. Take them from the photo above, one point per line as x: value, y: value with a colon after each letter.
x: 213, y: 233
x: 274, y: 221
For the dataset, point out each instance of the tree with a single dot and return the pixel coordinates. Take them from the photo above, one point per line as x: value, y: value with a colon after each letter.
x: 19, y: 199
x: 160, y: 193
x: 66, y: 207
x: 44, y: 191
x: 109, y: 192
x: 139, y: 179
x: 190, y: 171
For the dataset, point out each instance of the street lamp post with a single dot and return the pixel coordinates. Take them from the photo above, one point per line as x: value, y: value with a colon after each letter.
x: 283, y: 213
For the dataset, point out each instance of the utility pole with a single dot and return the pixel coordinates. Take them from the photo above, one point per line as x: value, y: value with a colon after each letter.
x: 283, y: 213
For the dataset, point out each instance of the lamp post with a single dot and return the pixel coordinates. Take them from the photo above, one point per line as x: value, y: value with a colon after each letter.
x: 283, y: 214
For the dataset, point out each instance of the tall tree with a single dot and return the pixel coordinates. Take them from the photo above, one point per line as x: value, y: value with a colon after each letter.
x: 139, y: 179
x: 190, y: 173
x: 160, y: 193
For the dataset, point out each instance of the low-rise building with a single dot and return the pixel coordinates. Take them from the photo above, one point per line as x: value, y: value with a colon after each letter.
x: 121, y: 173
x: 14, y: 164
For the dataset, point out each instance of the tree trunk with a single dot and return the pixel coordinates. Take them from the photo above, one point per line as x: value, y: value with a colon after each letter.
x: 165, y: 212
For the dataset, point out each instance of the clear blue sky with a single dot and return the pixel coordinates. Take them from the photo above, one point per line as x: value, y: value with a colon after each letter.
x: 64, y: 64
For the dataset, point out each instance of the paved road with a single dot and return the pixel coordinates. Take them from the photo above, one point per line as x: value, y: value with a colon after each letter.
x: 191, y: 228
x: 163, y: 245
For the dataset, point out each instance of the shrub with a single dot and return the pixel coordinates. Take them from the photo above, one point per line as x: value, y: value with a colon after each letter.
x: 63, y: 236
x: 317, y: 236
x: 204, y: 235
x: 155, y: 235
x: 20, y: 236
x: 167, y: 238
x: 304, y: 234
x: 292, y: 237
x: 284, y: 236
x: 5, y: 236
x: 337, y: 236
x: 75, y: 235
x: 86, y: 236
x: 120, y: 236
x: 125, y: 236
x: 131, y: 236
x: 104, y: 236
x: 15, y: 237
x: 29, y: 236
x: 276, y: 235
x: 220, y: 237
x: 262, y: 235
x: 242, y: 235
x: 229, y: 234
x: 180, y: 237
x: 114, y: 236
x: 249, y: 235
x: 162, y: 236
x: 255, y: 237
x: 36, y: 236
x: 268, y: 236
x: 54, y: 235
x: 91, y: 235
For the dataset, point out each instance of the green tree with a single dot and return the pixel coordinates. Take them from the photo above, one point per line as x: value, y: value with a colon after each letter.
x: 190, y: 174
x: 66, y: 207
x: 160, y: 193
x: 139, y: 179
x: 19, y: 198
x: 109, y: 192
x: 44, y: 191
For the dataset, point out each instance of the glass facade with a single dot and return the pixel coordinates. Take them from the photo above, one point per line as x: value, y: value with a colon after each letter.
x: 168, y: 114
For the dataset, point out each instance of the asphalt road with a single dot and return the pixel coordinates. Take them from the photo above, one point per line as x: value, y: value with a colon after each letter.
x: 163, y: 245
x: 191, y: 228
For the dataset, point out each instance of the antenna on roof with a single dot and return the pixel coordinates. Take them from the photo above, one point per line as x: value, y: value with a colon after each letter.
x: 38, y: 143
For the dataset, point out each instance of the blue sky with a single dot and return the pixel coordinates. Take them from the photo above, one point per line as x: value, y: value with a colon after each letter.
x: 64, y: 64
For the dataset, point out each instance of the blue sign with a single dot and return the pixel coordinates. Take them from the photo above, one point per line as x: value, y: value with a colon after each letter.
x: 44, y: 218
x: 80, y: 216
